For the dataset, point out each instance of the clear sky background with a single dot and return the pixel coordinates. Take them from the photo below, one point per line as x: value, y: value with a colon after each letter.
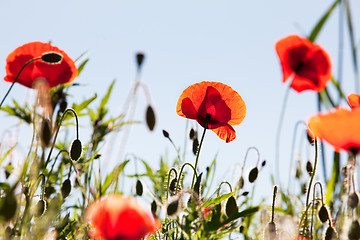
x: 185, y: 42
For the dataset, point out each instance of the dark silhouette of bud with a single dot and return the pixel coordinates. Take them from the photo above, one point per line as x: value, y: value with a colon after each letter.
x: 231, y: 206
x: 46, y: 132
x: 197, y: 184
x: 8, y: 206
x: 172, y: 185
x: 139, y: 188
x: 253, y: 174
x: 140, y: 59
x: 150, y: 118
x: 245, y: 193
x: 330, y: 233
x: 75, y: 150
x: 310, y: 138
x: 323, y: 214
x: 192, y: 134
x: 195, y: 146
x: 40, y: 208
x: 241, y: 229
x: 63, y: 106
x: 172, y: 207
x: 52, y: 58
x: 354, y: 230
x: 270, y: 231
x: 241, y: 182
x: 154, y: 207
x: 353, y: 200
x: 166, y: 134
x: 66, y: 188
x: 263, y: 163
x: 309, y: 167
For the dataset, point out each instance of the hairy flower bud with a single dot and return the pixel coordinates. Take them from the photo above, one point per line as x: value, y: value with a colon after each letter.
x: 75, y: 150
x: 253, y: 174
x: 150, y: 118
x: 66, y: 188
x: 231, y: 206
x: 139, y: 188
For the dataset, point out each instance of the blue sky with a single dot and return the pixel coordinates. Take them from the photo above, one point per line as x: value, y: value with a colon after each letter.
x: 185, y: 42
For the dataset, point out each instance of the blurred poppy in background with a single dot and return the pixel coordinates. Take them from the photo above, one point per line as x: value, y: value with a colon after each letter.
x: 353, y: 100
x: 117, y: 217
x: 214, y: 106
x: 52, y: 73
x: 306, y: 62
x: 340, y: 128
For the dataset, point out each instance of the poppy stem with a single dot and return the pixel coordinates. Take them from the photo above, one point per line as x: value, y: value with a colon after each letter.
x: 321, y: 142
x: 197, y: 155
x: 277, y: 141
x: 16, y: 78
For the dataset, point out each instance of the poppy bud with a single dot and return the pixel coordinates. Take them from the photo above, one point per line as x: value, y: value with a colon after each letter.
x: 173, y: 184
x: 63, y: 106
x: 270, y: 231
x: 150, y: 118
x: 354, y: 230
x: 241, y: 182
x: 166, y: 134
x: 353, y: 200
x: 241, y: 229
x: 49, y: 190
x: 323, y: 214
x: 330, y: 233
x: 139, y: 59
x: 153, y: 207
x: 253, y: 174
x: 75, y: 150
x: 46, y: 132
x: 197, y: 184
x: 139, y: 188
x: 40, y: 208
x: 8, y: 206
x: 245, y: 193
x: 172, y: 207
x: 52, y: 57
x: 195, y: 146
x: 66, y: 188
x: 231, y: 206
x: 309, y: 167
x: 310, y: 138
x: 192, y: 133
x: 263, y: 163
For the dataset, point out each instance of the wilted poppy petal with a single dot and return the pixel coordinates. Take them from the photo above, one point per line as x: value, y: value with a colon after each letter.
x: 354, y: 100
x: 340, y: 128
x: 213, y: 105
x: 54, y: 74
x: 226, y: 133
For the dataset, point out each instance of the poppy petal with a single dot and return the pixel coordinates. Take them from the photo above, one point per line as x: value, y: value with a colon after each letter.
x: 354, y: 100
x: 226, y: 133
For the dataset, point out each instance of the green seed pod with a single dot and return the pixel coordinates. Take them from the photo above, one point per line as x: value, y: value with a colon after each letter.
x: 52, y: 58
x: 150, y: 118
x: 195, y: 146
x: 46, y: 132
x: 139, y: 188
x: 172, y: 186
x: 66, y: 188
x: 241, y: 182
x: 253, y: 174
x: 8, y: 206
x: 231, y: 206
x: 166, y: 134
x: 330, y: 233
x: 154, y: 208
x: 172, y: 207
x: 354, y: 230
x: 323, y: 214
x: 353, y: 200
x: 75, y: 150
x: 270, y: 231
x: 40, y: 208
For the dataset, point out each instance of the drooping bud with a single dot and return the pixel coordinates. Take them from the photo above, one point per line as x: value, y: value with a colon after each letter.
x: 330, y: 233
x: 195, y: 146
x: 52, y: 57
x: 172, y: 186
x: 40, y: 208
x: 241, y: 182
x: 154, y: 208
x: 46, y: 132
x: 241, y: 229
x: 354, y: 230
x: 166, y: 134
x: 63, y: 106
x: 75, y: 150
x: 66, y: 188
x: 231, y: 206
x: 263, y: 163
x: 245, y: 193
x: 192, y: 134
x: 309, y: 167
x: 139, y: 188
x: 139, y: 59
x: 150, y: 118
x: 172, y: 207
x: 253, y: 174
x: 323, y: 214
x: 353, y: 200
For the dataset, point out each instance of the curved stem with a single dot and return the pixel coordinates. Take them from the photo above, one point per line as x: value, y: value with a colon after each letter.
x: 313, y: 173
x: 52, y: 166
x: 273, y: 204
x: 198, y: 154
x: 277, y: 141
x: 181, y: 170
x: 57, y: 131
x: 246, y: 154
x: 16, y: 78
x: 226, y: 182
x: 168, y: 180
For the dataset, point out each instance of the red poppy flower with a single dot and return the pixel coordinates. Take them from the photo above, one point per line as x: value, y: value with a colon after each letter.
x: 54, y: 74
x: 340, y: 128
x: 117, y: 217
x: 307, y: 62
x: 353, y: 100
x: 214, y: 106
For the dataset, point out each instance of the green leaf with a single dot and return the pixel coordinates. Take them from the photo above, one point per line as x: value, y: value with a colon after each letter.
x: 217, y: 200
x: 81, y: 106
x: 330, y: 187
x: 102, y: 110
x: 82, y: 65
x: 3, y: 157
x: 110, y: 179
x: 314, y: 33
